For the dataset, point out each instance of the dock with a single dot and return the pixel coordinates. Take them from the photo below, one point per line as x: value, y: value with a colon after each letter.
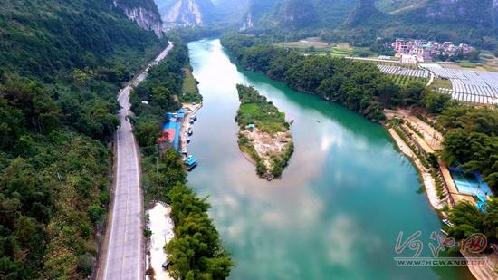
x: 191, y: 109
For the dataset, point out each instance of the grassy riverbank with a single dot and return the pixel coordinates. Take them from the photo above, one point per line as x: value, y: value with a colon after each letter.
x: 264, y: 133
x: 190, y: 92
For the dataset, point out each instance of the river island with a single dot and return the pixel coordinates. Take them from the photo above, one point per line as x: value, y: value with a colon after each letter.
x: 264, y: 134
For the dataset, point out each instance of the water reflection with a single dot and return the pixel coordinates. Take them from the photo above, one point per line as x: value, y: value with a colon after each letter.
x: 340, y: 204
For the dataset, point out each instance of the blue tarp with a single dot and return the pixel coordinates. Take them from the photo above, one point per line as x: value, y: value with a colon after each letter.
x: 470, y: 183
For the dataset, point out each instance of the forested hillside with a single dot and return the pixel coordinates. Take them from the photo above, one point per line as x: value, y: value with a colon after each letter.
x: 61, y: 66
x: 472, y: 21
x: 362, y: 21
x: 297, y: 15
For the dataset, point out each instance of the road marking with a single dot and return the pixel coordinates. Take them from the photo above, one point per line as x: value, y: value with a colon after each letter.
x: 138, y: 194
x: 113, y: 208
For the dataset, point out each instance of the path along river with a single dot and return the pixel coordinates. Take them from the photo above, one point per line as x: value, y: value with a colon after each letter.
x: 342, y: 202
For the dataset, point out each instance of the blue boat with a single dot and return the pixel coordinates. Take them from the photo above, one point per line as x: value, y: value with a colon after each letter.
x: 190, y: 162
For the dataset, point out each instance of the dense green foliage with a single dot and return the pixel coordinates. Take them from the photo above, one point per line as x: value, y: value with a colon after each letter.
x: 471, y: 140
x: 196, y: 251
x: 39, y: 37
x: 146, y: 4
x: 357, y: 85
x: 255, y: 109
x: 468, y: 220
x: 157, y: 95
x: 61, y: 66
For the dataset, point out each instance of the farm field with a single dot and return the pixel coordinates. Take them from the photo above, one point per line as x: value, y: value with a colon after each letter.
x: 314, y: 45
x: 309, y: 44
x: 402, y: 76
x: 402, y: 80
x: 341, y: 49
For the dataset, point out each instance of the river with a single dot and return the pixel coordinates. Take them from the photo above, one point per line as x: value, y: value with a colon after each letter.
x: 341, y: 204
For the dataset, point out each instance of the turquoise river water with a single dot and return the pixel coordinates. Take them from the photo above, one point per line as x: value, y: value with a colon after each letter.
x: 341, y: 204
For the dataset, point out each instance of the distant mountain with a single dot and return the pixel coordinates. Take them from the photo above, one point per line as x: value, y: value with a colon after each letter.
x: 365, y: 13
x: 230, y: 11
x: 297, y: 14
x: 469, y: 20
x: 472, y: 13
x: 258, y: 13
x: 185, y: 12
x: 143, y: 12
x: 473, y: 21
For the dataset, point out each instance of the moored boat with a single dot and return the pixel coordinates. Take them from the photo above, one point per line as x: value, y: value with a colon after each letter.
x: 190, y: 162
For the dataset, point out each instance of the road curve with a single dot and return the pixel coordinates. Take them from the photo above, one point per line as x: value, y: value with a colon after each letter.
x: 124, y: 253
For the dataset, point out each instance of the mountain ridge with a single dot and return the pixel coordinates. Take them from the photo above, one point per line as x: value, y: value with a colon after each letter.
x: 143, y: 12
x: 185, y: 12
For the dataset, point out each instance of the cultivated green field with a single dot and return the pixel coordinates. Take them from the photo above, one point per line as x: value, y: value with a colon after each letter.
x: 314, y: 45
x: 255, y: 109
x: 402, y: 80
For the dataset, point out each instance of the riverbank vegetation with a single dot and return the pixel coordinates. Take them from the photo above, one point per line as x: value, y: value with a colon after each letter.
x: 470, y: 133
x: 362, y: 88
x: 62, y: 64
x: 471, y: 140
x: 357, y: 85
x: 190, y: 92
x: 468, y: 220
x: 196, y: 251
x: 264, y: 133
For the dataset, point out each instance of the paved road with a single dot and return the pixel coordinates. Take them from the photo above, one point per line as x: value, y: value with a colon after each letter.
x: 125, y: 256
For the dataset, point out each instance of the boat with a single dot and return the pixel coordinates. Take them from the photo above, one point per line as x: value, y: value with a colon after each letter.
x: 188, y: 139
x: 184, y: 151
x: 190, y: 131
x: 193, y: 117
x: 190, y: 162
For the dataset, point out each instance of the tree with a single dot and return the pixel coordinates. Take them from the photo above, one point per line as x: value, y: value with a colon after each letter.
x: 147, y: 132
x: 468, y: 220
x: 435, y: 102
